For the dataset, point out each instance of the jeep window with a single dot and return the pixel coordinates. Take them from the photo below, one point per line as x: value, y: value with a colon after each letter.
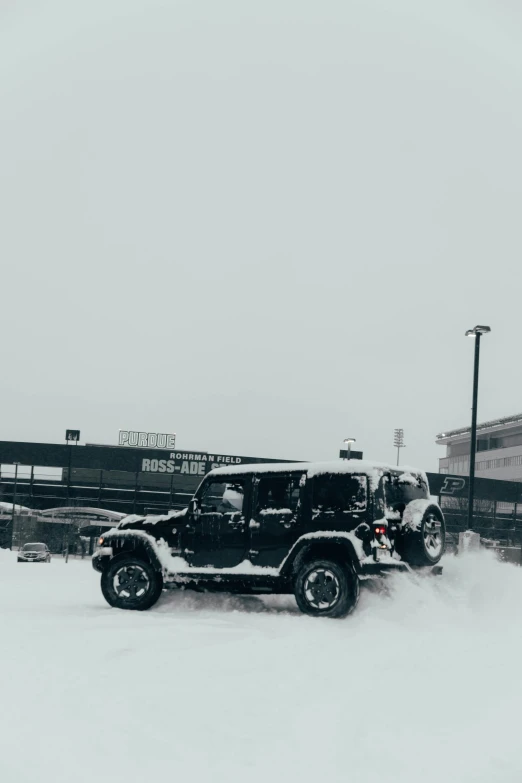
x: 400, y: 490
x: 223, y: 498
x: 340, y: 492
x: 278, y: 493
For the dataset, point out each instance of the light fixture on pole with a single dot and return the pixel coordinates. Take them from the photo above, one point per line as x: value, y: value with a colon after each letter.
x: 348, y: 443
x: 477, y: 333
x: 398, y: 441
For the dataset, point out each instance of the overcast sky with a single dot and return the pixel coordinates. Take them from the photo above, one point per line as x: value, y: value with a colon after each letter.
x: 264, y: 226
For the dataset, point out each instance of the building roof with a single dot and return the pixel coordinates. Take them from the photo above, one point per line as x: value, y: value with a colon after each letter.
x: 442, y: 437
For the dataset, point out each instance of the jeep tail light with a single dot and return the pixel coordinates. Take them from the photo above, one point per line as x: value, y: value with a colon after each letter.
x: 379, y: 530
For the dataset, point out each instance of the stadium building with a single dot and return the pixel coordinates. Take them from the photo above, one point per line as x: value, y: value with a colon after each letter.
x: 55, y: 488
x: 499, y: 450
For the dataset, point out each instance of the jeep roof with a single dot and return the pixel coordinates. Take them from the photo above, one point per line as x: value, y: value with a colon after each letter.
x: 374, y: 470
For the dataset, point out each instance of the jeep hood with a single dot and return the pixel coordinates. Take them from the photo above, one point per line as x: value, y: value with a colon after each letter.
x: 137, y: 522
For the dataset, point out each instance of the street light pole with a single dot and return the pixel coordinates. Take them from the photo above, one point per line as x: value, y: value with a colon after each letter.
x: 477, y: 333
x: 14, y: 501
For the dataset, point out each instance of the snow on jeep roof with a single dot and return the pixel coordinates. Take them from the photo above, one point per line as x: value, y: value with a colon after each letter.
x: 372, y: 469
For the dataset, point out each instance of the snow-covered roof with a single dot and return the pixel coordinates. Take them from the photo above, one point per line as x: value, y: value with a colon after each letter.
x: 506, y: 421
x: 313, y: 468
x: 7, y: 508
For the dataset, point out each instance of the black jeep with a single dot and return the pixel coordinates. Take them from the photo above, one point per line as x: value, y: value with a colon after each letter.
x: 312, y: 529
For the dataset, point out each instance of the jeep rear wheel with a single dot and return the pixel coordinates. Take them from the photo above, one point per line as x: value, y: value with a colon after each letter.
x: 425, y: 545
x: 325, y: 588
x: 131, y: 583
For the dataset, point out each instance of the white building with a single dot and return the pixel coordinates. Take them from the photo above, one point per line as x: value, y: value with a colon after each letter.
x: 499, y: 449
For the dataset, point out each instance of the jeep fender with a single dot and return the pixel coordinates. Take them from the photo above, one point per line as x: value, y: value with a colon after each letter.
x: 132, y: 545
x: 312, y: 546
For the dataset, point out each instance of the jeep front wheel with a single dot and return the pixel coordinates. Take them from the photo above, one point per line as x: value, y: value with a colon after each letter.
x: 325, y: 588
x: 131, y: 583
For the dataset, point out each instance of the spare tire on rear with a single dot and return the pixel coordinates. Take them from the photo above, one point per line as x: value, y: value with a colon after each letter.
x: 422, y: 539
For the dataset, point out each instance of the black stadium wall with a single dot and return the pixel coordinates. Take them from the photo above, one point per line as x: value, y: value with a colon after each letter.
x: 119, y: 478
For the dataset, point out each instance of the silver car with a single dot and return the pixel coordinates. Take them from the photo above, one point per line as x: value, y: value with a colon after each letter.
x: 34, y: 553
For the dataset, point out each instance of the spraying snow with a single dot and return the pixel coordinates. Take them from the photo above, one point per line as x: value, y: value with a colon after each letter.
x: 421, y: 683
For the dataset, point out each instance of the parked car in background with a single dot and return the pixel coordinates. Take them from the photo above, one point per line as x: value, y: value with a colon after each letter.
x: 34, y: 553
x: 311, y: 529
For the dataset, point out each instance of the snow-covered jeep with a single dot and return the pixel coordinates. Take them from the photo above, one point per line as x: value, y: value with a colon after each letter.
x: 311, y: 529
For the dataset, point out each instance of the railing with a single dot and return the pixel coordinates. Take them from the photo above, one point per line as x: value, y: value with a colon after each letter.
x: 42, y: 492
x: 495, y: 520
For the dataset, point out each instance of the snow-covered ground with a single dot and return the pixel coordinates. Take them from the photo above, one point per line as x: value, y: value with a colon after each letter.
x: 422, y: 684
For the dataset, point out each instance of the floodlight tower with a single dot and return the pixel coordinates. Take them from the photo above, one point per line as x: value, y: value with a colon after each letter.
x: 398, y: 441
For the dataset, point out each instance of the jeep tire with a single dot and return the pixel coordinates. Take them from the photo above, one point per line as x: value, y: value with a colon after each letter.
x: 131, y: 583
x: 425, y: 545
x: 326, y: 588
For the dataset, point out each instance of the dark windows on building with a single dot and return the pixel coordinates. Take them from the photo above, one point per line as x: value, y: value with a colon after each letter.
x: 488, y: 444
x: 485, y: 443
x: 458, y: 449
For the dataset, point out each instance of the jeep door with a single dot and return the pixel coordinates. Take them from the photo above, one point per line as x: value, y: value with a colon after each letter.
x: 219, y: 533
x: 276, y: 517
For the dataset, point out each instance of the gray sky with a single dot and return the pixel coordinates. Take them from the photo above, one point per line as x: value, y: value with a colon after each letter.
x: 264, y: 226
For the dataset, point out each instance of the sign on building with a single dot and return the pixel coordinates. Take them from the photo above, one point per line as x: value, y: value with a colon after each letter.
x: 353, y: 454
x: 189, y: 463
x: 147, y: 440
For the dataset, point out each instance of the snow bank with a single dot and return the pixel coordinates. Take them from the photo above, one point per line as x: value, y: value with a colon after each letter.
x: 420, y: 684
x: 7, y: 508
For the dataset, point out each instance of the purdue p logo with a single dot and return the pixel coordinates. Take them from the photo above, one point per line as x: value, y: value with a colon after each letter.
x: 452, y: 485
